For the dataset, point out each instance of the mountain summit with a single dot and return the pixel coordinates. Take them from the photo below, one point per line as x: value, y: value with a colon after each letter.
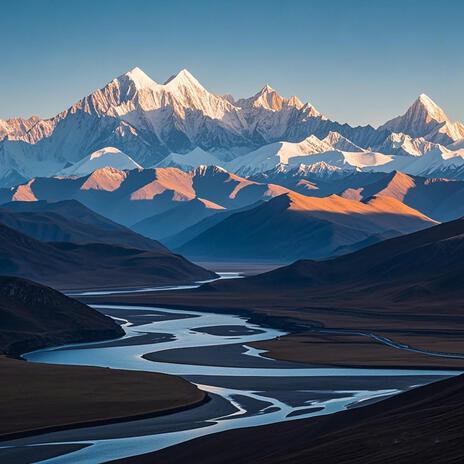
x: 268, y: 99
x: 152, y: 122
x: 138, y: 78
x: 430, y: 109
x: 183, y: 78
x: 424, y: 118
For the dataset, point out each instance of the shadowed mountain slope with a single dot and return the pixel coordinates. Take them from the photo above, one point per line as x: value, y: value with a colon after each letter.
x: 33, y: 316
x: 70, y: 221
x: 427, y: 264
x: 176, y: 240
x: 72, y: 265
x: 177, y: 219
x: 294, y: 226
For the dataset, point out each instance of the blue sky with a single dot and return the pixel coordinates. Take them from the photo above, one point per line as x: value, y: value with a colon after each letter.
x: 357, y: 61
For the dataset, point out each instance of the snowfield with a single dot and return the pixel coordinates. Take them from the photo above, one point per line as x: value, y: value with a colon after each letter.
x: 136, y: 122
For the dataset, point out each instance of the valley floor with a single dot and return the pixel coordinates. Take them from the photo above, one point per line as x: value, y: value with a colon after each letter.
x: 39, y: 397
x: 95, y: 391
x: 336, y: 331
x: 245, y: 268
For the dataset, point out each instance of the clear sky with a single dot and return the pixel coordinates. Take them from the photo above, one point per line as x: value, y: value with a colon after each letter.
x: 357, y: 61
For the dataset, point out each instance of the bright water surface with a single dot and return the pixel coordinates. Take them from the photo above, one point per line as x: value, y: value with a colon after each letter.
x: 246, y: 388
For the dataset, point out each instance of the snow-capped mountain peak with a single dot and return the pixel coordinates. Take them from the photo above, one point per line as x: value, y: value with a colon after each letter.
x: 336, y: 140
x: 191, y: 103
x: 267, y: 89
x: 183, y: 79
x: 428, y: 109
x: 138, y: 78
x: 125, y: 87
x: 419, y: 119
x: 424, y: 118
x: 108, y: 157
x: 296, y: 102
x: 269, y: 99
x: 180, y: 123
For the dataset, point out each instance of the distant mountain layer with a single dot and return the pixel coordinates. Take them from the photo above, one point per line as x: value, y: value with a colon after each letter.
x: 294, y: 226
x: 70, y: 221
x: 129, y: 197
x: 212, y: 213
x: 71, y: 265
x: 149, y: 123
x: 177, y: 219
x: 441, y: 199
x: 34, y: 316
x: 423, y: 266
x: 439, y: 161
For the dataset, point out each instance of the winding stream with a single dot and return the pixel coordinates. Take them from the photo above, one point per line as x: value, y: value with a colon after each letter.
x: 211, y: 350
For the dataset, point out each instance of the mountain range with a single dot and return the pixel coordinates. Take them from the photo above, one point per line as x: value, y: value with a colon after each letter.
x: 180, y: 123
x: 137, y: 163
x: 439, y: 198
x: 177, y: 206
x: 129, y: 197
x: 210, y: 213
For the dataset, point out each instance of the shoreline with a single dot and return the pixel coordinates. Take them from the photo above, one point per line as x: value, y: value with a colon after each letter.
x: 295, y: 328
x: 193, y: 407
x: 135, y: 376
x: 400, y: 424
x: 97, y: 422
